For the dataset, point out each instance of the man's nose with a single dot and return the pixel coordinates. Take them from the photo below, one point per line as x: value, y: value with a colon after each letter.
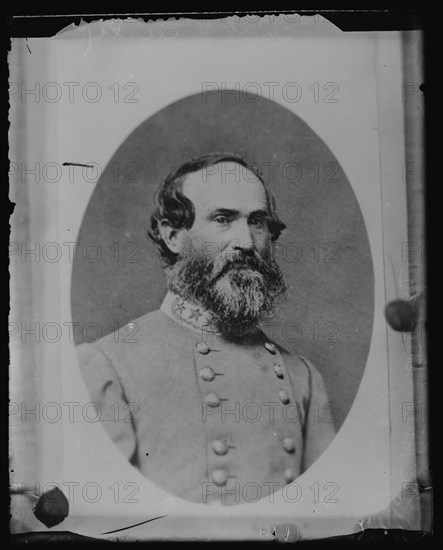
x: 242, y: 236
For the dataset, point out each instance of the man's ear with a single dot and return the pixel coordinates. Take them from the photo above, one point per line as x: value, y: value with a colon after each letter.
x: 173, y: 238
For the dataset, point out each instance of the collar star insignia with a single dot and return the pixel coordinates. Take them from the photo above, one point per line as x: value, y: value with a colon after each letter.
x: 191, y: 315
x: 194, y: 314
x: 178, y: 306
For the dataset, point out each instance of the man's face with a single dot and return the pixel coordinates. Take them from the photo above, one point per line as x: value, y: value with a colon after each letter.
x: 226, y: 262
x: 230, y: 210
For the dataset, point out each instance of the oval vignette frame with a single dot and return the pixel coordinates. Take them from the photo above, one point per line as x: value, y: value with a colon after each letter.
x: 324, y: 253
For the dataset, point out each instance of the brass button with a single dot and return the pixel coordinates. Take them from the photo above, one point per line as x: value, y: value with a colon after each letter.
x: 278, y: 371
x: 207, y: 374
x: 202, y: 348
x: 219, y: 447
x: 219, y: 477
x: 283, y: 396
x: 288, y: 444
x: 270, y: 347
x: 290, y: 475
x: 212, y: 399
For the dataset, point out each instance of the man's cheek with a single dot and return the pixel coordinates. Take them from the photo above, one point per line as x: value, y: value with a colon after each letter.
x: 262, y: 240
x: 208, y: 250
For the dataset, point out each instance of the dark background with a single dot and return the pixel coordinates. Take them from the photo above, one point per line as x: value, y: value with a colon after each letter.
x: 324, y: 253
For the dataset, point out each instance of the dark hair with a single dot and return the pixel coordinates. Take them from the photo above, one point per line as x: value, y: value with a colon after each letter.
x: 172, y: 206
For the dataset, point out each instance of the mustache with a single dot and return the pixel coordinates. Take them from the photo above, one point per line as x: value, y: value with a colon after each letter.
x: 250, y: 259
x: 238, y: 286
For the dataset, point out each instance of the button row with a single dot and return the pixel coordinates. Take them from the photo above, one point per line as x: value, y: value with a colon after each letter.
x: 278, y: 371
x: 202, y: 348
x: 219, y: 477
x: 270, y: 347
x: 207, y: 374
x: 284, y: 397
x: 289, y: 475
x: 219, y: 447
x: 212, y: 399
x: 288, y: 445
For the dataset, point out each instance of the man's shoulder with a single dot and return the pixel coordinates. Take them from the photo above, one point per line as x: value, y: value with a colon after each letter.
x: 150, y: 334
x: 152, y: 322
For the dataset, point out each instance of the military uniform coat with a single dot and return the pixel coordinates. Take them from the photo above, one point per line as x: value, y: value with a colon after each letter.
x: 205, y: 418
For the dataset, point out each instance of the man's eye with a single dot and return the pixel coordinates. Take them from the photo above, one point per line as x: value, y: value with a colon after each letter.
x: 257, y: 221
x: 221, y: 220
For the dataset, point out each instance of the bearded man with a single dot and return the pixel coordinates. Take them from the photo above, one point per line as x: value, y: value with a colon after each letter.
x: 209, y: 408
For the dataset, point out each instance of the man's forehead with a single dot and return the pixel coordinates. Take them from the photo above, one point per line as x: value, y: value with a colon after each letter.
x: 225, y: 185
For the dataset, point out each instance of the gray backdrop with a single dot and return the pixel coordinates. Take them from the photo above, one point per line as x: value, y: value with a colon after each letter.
x: 324, y: 253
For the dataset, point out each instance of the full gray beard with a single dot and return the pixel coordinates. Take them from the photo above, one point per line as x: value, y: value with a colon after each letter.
x: 237, y: 295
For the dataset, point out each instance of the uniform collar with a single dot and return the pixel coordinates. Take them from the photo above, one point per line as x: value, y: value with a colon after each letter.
x: 189, y: 315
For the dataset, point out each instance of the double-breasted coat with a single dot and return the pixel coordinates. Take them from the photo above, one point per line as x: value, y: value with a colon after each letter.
x: 204, y: 417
